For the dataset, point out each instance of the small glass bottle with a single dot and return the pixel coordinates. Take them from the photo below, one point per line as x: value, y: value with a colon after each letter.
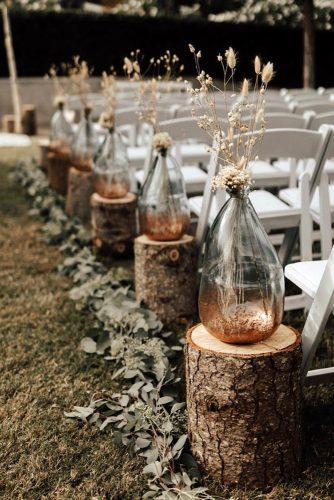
x: 85, y: 143
x: 164, y: 213
x: 61, y: 131
x: 241, y: 298
x: 111, y: 167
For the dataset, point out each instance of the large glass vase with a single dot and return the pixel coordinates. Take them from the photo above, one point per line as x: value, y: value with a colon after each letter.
x: 164, y: 213
x: 241, y: 297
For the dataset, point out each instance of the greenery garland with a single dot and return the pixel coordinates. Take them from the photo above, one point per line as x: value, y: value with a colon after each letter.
x: 149, y: 415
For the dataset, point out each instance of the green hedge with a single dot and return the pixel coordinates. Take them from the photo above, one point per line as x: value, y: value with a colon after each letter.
x: 42, y: 38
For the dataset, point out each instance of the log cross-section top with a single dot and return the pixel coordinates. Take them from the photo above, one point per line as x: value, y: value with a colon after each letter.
x: 284, y: 338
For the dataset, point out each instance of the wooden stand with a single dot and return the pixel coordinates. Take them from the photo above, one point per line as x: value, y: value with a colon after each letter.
x: 244, y: 407
x: 79, y: 192
x: 8, y: 124
x: 44, y: 149
x: 58, y: 167
x: 29, y: 121
x: 114, y: 223
x: 165, y: 276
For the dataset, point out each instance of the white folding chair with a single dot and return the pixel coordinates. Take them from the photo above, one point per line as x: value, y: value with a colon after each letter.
x: 273, y: 212
x: 317, y: 106
x: 315, y: 279
x: 321, y: 201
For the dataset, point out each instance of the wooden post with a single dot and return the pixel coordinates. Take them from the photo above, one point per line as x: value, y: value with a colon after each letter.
x: 58, y: 167
x: 244, y: 407
x: 165, y: 276
x: 12, y: 67
x: 8, y: 124
x: 79, y: 192
x: 29, y: 121
x: 114, y: 223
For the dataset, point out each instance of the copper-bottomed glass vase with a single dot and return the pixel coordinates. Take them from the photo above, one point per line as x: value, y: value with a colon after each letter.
x: 61, y: 133
x: 164, y: 213
x: 85, y: 143
x: 111, y: 167
x: 241, y: 298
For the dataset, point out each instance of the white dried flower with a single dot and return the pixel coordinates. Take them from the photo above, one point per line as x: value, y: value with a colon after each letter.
x: 257, y: 65
x: 267, y: 73
x: 232, y: 178
x: 191, y: 48
x: 107, y: 120
x: 59, y: 100
x: 245, y: 88
x: 231, y: 58
x: 162, y: 141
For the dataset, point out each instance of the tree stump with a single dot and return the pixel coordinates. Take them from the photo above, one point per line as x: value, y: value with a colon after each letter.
x: 29, y: 121
x: 166, y: 275
x: 8, y: 124
x: 44, y: 149
x: 114, y: 224
x: 244, y: 407
x: 79, y: 192
x: 58, y: 167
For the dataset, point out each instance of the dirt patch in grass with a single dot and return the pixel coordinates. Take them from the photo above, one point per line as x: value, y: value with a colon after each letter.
x: 42, y: 374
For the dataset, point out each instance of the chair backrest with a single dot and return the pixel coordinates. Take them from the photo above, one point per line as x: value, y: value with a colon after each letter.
x: 286, y: 120
x: 182, y: 129
x: 291, y: 143
x: 316, y: 106
x: 315, y: 121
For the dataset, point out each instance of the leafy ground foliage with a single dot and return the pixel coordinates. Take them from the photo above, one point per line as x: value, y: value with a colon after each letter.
x: 146, y: 409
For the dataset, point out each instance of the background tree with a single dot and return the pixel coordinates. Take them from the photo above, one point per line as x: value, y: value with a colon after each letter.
x: 309, y: 44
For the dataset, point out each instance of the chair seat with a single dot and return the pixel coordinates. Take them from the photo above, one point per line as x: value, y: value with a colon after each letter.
x: 194, y: 178
x: 14, y: 140
x: 306, y: 275
x: 273, y: 212
x: 291, y: 196
x: 264, y: 174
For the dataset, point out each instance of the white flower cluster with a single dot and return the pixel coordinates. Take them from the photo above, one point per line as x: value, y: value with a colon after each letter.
x: 162, y: 140
x: 107, y: 120
x: 232, y: 178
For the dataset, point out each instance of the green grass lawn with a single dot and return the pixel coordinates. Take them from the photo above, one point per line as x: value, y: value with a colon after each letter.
x: 43, y: 374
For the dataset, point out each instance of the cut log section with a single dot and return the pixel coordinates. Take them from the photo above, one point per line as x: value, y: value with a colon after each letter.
x: 44, y: 149
x: 8, y: 124
x: 114, y: 224
x: 244, y: 407
x: 79, y: 192
x: 58, y: 167
x: 165, y: 276
x: 29, y: 120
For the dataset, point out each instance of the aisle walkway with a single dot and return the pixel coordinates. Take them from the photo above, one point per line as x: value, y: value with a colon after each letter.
x: 42, y: 373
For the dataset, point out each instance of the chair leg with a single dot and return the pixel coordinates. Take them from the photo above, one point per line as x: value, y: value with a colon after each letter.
x: 288, y: 244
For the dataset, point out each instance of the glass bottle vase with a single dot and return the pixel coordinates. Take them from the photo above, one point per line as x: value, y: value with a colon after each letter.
x: 164, y: 213
x: 85, y: 143
x: 61, y: 133
x: 111, y: 167
x: 241, y: 298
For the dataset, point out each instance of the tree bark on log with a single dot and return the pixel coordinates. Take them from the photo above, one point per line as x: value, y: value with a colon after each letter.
x: 29, y: 120
x: 244, y: 407
x: 114, y: 224
x: 58, y: 167
x: 166, y: 275
x: 79, y: 192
